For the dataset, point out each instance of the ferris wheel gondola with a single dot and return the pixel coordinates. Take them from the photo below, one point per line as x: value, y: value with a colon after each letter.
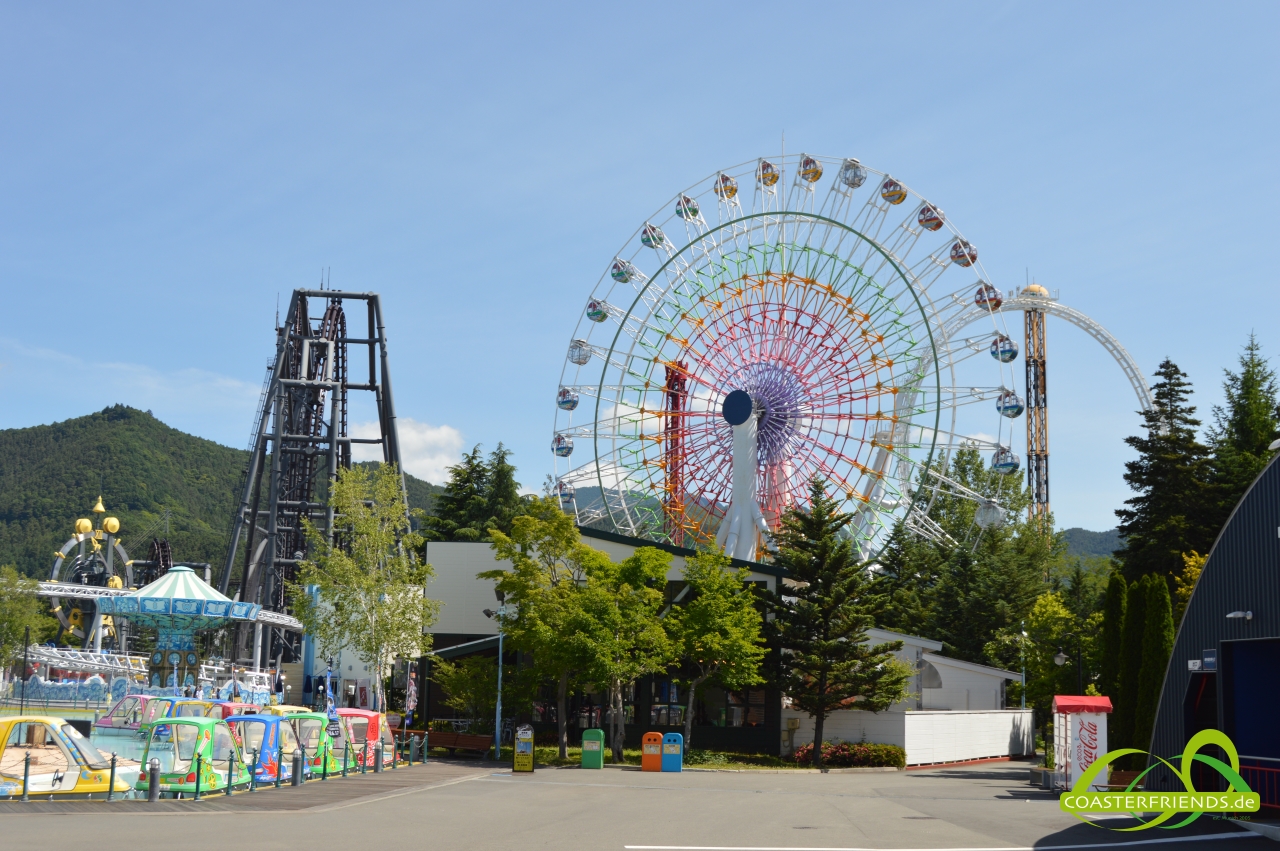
x: 823, y: 306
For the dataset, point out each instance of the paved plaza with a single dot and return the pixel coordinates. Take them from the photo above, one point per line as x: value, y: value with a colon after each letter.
x: 469, y: 805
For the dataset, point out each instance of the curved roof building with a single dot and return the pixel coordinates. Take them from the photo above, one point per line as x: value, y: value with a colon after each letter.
x: 1225, y: 669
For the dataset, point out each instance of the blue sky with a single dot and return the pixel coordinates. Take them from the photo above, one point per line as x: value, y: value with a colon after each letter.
x: 168, y: 171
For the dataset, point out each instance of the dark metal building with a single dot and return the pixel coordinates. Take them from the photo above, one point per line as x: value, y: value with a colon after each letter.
x: 1225, y: 669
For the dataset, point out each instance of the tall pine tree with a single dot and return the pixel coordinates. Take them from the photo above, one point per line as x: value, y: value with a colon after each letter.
x: 821, y: 619
x: 479, y: 496
x: 1172, y: 511
x: 1243, y: 429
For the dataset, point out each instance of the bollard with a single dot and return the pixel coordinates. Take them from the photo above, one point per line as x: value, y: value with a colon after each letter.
x: 253, y: 772
x: 344, y: 760
x: 111, y: 783
x: 231, y: 771
x: 279, y: 766
x: 324, y: 762
x: 26, y: 777
x: 299, y: 760
x: 364, y: 763
x: 395, y: 751
x: 377, y: 758
x: 198, y: 765
x: 413, y: 748
x: 153, y: 781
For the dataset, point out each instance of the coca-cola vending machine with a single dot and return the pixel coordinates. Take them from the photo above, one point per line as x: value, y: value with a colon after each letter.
x: 1079, y: 736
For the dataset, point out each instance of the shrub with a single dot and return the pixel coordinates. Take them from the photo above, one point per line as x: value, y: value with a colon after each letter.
x: 854, y: 755
x: 699, y: 757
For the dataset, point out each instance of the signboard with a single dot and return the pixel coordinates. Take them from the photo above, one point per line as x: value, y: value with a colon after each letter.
x: 334, y: 727
x: 524, y: 749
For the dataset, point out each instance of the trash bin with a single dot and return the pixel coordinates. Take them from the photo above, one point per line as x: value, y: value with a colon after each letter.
x: 672, y: 752
x: 593, y: 748
x: 523, y: 760
x: 651, y: 752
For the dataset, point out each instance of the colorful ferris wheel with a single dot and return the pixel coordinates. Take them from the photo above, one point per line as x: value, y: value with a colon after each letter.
x: 785, y: 319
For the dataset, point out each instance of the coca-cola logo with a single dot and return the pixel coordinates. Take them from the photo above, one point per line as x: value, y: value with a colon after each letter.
x: 1086, y: 743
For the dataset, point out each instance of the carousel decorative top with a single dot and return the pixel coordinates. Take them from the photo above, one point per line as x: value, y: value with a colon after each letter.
x: 179, y: 600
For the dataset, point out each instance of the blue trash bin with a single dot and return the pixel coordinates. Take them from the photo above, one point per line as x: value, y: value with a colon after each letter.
x: 672, y: 752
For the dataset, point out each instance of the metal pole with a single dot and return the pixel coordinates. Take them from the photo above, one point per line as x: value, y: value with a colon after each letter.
x: 497, y: 726
x: 111, y: 783
x: 198, y: 765
x: 1079, y: 666
x: 26, y: 778
x: 253, y: 772
x: 231, y: 770
x: 26, y: 656
x: 1022, y: 645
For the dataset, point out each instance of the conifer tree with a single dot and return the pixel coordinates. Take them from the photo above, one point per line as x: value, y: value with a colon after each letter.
x: 1172, y: 511
x: 1157, y: 645
x: 1113, y: 617
x: 479, y: 496
x: 821, y: 619
x: 1243, y: 430
x: 1130, y: 664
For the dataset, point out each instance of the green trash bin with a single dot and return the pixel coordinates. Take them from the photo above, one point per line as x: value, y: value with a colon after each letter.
x: 593, y: 748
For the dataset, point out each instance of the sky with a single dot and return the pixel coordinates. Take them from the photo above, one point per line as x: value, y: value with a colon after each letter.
x: 169, y: 173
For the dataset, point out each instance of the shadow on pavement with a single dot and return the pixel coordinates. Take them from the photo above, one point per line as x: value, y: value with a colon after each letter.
x: 1106, y: 832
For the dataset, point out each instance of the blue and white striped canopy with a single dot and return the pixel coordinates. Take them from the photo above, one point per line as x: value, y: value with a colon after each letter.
x: 179, y: 600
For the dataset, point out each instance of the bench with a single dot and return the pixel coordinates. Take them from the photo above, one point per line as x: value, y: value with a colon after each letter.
x: 1120, y: 780
x: 451, y: 741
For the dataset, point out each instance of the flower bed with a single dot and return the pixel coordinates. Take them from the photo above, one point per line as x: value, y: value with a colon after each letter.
x: 854, y: 755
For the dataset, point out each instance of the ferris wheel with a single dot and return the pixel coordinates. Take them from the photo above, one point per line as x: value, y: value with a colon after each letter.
x: 782, y: 320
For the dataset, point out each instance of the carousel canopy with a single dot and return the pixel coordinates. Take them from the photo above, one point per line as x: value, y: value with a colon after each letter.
x: 179, y: 600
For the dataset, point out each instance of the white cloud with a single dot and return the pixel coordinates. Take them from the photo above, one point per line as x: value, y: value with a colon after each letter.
x: 425, y: 450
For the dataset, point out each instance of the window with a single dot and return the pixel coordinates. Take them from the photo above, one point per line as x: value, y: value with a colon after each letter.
x: 251, y: 734
x: 288, y: 741
x: 174, y: 745
x: 309, y: 730
x: 224, y: 746
x: 359, y: 730
x: 124, y: 709
x: 155, y: 709
x: 189, y: 710
x: 388, y: 738
x: 90, y: 755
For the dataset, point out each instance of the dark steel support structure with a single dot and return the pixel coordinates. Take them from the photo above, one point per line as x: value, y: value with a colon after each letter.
x: 300, y: 441
x: 1037, y: 417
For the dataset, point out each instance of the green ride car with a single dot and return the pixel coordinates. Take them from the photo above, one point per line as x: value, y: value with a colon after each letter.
x: 185, y: 745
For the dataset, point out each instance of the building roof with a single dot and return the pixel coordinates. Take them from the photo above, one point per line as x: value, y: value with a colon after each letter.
x: 971, y: 666
x: 477, y: 646
x: 915, y: 640
x: 1070, y: 703
x: 684, y: 552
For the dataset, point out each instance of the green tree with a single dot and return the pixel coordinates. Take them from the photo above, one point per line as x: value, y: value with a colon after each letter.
x: 716, y: 632
x: 1185, y: 583
x: 1051, y: 627
x: 1135, y: 622
x: 1243, y: 430
x: 471, y: 686
x: 1157, y: 645
x: 366, y: 590
x: 624, y: 635
x: 20, y: 610
x: 1113, y: 617
x: 1171, y: 475
x: 547, y: 583
x: 822, y: 616
x: 481, y: 495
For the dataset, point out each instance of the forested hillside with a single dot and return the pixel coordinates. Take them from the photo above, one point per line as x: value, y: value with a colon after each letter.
x: 52, y: 474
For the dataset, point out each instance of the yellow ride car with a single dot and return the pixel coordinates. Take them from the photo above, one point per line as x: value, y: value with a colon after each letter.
x: 63, y: 762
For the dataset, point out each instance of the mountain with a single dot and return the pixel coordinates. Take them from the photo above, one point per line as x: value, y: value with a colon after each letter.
x: 1082, y: 542
x: 51, y: 475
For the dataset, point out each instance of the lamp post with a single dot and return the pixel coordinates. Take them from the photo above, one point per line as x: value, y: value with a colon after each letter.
x: 1022, y: 646
x: 501, y: 614
x: 1061, y: 658
x: 26, y: 655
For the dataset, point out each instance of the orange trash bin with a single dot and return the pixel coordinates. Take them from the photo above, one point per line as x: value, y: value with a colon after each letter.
x: 651, y: 752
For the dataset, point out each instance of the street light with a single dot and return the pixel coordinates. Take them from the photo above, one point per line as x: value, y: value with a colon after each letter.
x: 502, y: 612
x: 1060, y: 658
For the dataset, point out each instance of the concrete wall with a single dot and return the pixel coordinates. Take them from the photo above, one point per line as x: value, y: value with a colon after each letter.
x: 927, y: 737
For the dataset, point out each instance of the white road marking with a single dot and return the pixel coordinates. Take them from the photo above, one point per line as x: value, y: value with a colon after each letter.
x: 1130, y: 844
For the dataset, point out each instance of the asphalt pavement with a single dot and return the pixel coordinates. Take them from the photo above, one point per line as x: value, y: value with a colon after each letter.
x: 480, y: 807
